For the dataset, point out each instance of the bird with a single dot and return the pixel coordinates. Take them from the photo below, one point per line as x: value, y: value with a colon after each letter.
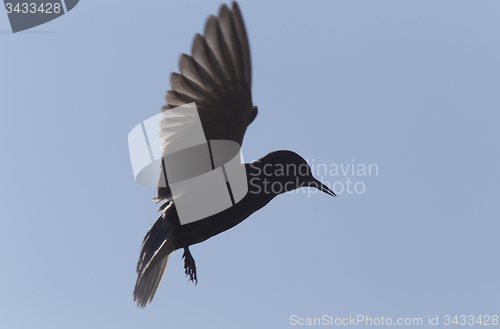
x: 217, y: 78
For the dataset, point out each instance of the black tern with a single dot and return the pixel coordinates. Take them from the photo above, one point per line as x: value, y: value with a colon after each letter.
x: 217, y: 78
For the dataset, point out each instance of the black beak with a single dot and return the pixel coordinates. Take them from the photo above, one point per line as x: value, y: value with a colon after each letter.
x: 322, y: 187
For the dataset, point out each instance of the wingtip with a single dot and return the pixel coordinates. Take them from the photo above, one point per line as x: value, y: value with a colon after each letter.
x: 224, y: 11
x: 212, y: 23
x: 223, y: 7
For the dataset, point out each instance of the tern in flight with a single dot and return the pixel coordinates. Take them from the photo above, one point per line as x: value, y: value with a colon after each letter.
x: 217, y: 78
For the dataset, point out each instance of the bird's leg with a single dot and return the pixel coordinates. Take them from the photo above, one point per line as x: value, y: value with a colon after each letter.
x: 189, y: 265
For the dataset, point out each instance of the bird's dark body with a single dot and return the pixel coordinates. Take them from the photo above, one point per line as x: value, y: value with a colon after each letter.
x: 206, y: 228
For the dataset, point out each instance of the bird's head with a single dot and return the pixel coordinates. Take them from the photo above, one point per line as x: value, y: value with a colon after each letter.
x: 283, y: 171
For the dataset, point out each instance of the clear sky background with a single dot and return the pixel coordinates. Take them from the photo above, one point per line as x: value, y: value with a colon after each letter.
x: 412, y: 86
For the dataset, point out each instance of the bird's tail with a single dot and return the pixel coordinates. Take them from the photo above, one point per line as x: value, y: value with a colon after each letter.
x: 155, y: 252
x: 148, y: 282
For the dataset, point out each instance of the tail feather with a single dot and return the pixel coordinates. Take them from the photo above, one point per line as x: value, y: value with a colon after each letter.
x: 148, y: 282
x: 155, y: 252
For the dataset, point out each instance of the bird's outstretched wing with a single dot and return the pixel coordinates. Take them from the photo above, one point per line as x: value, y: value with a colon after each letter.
x: 217, y: 78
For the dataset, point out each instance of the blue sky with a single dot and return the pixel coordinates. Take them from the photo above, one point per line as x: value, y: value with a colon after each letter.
x: 411, y: 86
